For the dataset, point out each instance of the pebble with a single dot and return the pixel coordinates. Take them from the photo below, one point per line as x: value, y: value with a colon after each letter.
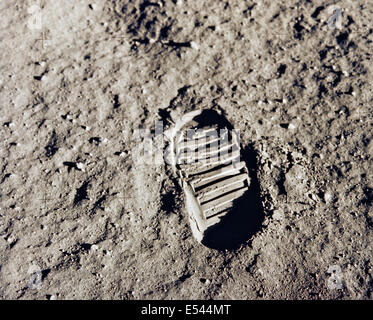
x: 12, y: 239
x: 277, y: 215
x: 80, y: 166
x: 327, y: 196
x: 194, y: 45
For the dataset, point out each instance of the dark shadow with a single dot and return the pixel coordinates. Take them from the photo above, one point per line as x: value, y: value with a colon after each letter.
x: 246, y: 217
x: 44, y: 273
x: 211, y: 117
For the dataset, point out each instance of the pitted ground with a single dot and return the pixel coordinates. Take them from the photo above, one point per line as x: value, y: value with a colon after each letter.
x: 76, y: 201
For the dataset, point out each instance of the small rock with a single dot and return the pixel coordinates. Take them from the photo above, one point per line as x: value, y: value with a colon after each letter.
x: 194, y: 45
x: 328, y: 196
x: 80, y: 166
x: 277, y: 214
x: 12, y: 240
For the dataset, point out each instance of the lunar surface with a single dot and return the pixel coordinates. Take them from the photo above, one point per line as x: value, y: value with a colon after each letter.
x: 89, y: 206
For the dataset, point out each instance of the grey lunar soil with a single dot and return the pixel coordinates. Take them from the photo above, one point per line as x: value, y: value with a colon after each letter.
x: 82, y: 217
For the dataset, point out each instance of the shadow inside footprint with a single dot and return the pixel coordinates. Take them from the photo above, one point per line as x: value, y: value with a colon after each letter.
x: 246, y: 217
